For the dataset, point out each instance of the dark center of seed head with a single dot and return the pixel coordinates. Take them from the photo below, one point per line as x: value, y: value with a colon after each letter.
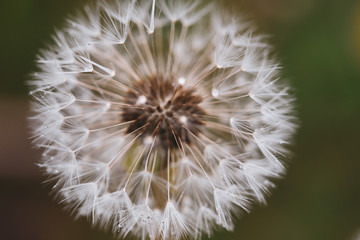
x: 162, y: 113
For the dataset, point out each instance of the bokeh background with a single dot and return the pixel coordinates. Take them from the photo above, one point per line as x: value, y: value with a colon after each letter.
x: 319, y: 44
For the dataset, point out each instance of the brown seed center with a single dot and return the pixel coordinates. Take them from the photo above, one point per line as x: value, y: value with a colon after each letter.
x: 164, y: 114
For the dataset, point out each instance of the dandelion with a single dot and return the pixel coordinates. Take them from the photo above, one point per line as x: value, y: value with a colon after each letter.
x: 160, y: 119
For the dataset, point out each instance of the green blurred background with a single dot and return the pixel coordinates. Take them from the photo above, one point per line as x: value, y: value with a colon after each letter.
x: 319, y: 44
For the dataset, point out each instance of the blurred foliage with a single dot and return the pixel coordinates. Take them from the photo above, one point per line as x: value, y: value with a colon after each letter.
x: 319, y: 45
x: 26, y: 25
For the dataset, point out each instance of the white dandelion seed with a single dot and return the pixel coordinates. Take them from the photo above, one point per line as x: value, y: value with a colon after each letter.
x: 160, y: 119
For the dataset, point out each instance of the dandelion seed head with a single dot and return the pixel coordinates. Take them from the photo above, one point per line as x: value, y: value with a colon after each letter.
x: 160, y: 119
